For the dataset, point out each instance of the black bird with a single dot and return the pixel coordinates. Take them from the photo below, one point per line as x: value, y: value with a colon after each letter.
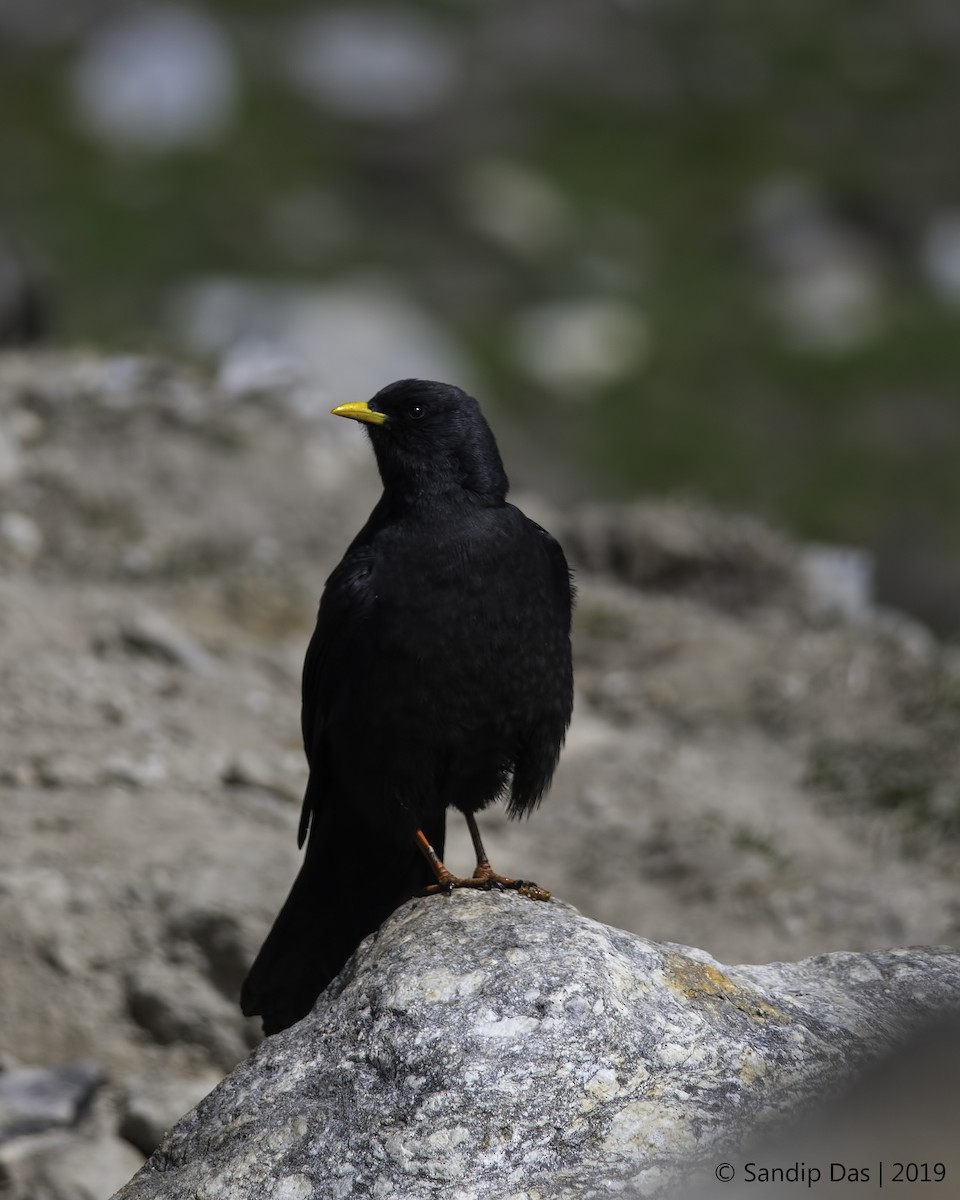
x: 439, y: 674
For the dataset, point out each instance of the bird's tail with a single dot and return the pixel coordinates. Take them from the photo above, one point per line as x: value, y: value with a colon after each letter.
x: 336, y: 900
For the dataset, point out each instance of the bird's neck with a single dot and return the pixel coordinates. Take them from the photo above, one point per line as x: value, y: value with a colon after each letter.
x: 476, y: 480
x: 431, y: 495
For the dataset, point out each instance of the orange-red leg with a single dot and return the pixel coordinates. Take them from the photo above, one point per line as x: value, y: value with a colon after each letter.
x: 483, y: 877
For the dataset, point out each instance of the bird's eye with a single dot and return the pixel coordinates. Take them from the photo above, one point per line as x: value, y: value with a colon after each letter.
x: 415, y: 411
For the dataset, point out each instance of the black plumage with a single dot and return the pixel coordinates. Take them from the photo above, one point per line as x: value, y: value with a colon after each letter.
x: 439, y: 674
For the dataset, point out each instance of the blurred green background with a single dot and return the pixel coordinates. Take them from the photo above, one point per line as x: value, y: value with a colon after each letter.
x: 708, y: 247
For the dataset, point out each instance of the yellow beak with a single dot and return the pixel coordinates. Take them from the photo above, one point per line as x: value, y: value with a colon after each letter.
x: 359, y: 410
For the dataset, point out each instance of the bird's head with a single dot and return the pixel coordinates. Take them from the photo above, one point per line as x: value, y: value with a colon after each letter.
x: 430, y: 437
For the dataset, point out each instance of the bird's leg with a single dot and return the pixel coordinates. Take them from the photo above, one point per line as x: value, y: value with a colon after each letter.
x: 446, y: 881
x: 483, y: 877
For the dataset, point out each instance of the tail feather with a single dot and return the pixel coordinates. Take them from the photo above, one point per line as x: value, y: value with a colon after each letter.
x: 335, y: 902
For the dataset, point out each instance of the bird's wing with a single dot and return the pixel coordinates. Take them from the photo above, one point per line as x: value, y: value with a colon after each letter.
x: 539, y: 750
x: 564, y: 591
x: 344, y: 610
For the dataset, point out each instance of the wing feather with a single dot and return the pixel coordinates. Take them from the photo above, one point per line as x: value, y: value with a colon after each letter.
x: 343, y: 614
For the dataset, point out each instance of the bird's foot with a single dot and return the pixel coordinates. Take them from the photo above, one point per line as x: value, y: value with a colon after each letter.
x: 485, y: 879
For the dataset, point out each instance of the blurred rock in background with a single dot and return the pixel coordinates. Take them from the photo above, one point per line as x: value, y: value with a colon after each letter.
x: 341, y: 339
x: 380, y: 63
x: 825, y: 287
x: 726, y: 233
x: 762, y: 762
x: 159, y: 78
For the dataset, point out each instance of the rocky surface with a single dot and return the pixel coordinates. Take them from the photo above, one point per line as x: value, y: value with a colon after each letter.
x: 752, y: 768
x: 481, y: 1045
x: 895, y: 1128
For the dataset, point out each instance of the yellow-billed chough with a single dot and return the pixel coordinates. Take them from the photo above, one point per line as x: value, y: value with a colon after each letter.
x: 439, y: 674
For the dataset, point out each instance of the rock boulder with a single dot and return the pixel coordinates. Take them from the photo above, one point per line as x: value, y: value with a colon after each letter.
x: 482, y: 1045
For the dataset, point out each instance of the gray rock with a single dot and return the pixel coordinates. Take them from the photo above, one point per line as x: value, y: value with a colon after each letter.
x: 372, y: 63
x: 143, y: 772
x: 151, y: 1106
x: 732, y: 562
x: 940, y: 256
x: 67, y: 770
x: 825, y: 284
x: 21, y: 536
x: 76, y: 1168
x: 253, y: 368
x: 151, y: 633
x: 576, y: 348
x: 10, y: 458
x: 344, y: 338
x: 838, y: 580
x: 903, y: 1108
x: 248, y: 769
x: 173, y: 1005
x: 225, y: 950
x: 157, y: 79
x: 481, y: 1045
x: 18, y: 774
x: 35, y: 1099
x: 515, y: 207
